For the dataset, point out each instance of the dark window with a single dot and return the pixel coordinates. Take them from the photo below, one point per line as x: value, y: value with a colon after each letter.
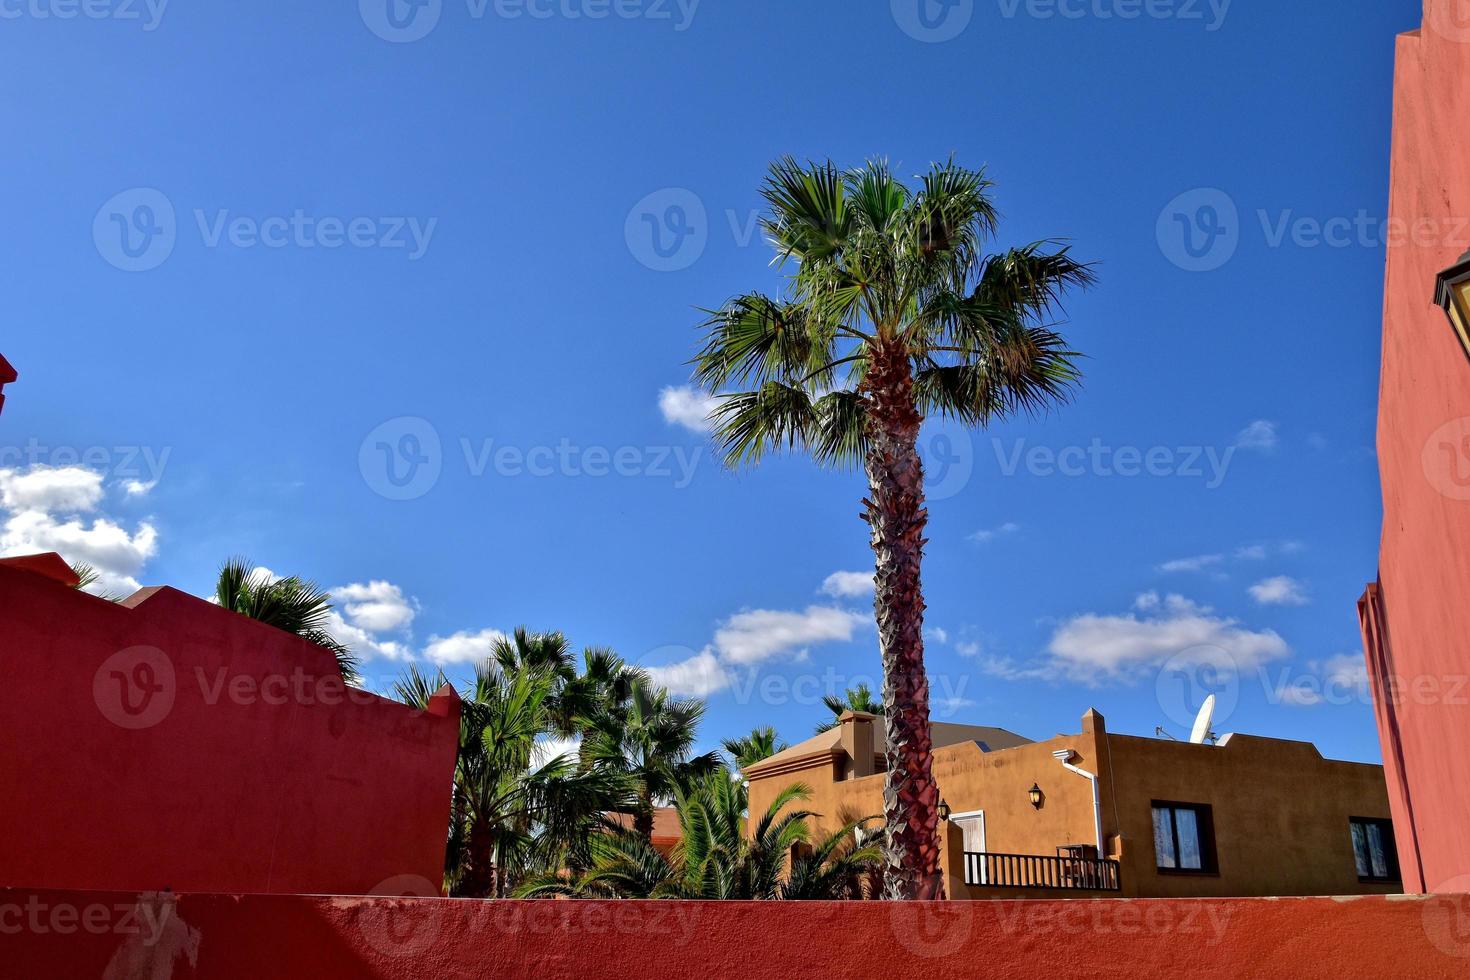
x: 1374, y: 849
x: 1184, y: 838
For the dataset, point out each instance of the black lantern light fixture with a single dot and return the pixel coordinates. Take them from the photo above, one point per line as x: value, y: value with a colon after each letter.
x: 944, y: 811
x: 1452, y: 293
x: 1036, y: 796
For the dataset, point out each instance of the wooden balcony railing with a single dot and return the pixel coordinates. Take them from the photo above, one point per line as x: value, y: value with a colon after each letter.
x: 1040, y: 871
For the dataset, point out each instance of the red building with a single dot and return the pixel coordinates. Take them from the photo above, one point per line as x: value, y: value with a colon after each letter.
x: 1415, y: 618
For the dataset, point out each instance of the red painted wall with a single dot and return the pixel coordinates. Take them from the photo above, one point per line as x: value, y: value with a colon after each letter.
x: 165, y: 742
x: 59, y: 934
x: 1418, y: 627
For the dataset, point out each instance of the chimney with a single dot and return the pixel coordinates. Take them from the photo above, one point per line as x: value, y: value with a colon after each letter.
x: 7, y: 375
x: 1093, y: 723
x: 857, y: 742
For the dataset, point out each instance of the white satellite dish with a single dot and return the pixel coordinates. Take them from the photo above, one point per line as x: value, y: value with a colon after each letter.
x: 1202, y: 723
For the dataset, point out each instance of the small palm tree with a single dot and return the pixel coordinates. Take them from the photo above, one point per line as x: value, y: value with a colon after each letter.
x: 841, y: 866
x: 513, y: 815
x: 291, y: 604
x: 651, y: 740
x: 893, y: 313
x: 858, y: 698
x: 760, y: 744
x: 718, y: 859
x: 88, y: 576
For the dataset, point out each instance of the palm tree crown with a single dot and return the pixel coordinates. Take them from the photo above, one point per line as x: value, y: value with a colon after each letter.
x: 858, y: 698
x: 761, y: 743
x: 893, y: 312
x: 291, y: 604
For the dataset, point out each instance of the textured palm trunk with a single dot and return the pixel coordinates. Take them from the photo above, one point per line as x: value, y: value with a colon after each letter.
x: 643, y: 817
x: 479, y: 878
x: 896, y: 515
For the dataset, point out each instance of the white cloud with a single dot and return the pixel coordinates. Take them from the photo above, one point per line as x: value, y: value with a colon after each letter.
x: 848, y: 585
x: 1282, y: 590
x: 947, y: 707
x: 699, y: 676
x: 1260, y: 435
x: 986, y: 536
x: 760, y: 634
x: 139, y: 488
x: 367, y: 646
x: 463, y: 647
x: 43, y: 511
x: 1253, y: 552
x: 548, y: 747
x: 1094, y: 648
x: 51, y: 489
x: 968, y: 648
x: 378, y: 607
x: 1341, y: 679
x: 938, y: 634
x: 688, y: 407
x: 1196, y: 564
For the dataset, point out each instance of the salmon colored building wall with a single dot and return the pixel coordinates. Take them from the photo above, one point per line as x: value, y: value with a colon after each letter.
x: 165, y: 742
x: 1281, y: 811
x: 1416, y: 621
x: 224, y: 936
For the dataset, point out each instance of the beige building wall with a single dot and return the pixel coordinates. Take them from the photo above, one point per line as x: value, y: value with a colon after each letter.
x: 1280, y: 810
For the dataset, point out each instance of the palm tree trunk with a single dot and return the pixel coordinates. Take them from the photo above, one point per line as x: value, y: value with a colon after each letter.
x: 643, y: 817
x: 896, y: 514
x: 479, y: 879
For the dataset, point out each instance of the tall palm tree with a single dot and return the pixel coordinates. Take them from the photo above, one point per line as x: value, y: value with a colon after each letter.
x: 651, y: 740
x: 513, y: 814
x: 760, y: 744
x: 292, y: 604
x: 858, y: 698
x: 893, y: 312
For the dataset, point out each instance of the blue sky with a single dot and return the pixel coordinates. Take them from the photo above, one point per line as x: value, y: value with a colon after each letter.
x: 249, y: 247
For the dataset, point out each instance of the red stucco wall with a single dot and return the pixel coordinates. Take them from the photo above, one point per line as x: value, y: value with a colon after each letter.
x: 53, y: 934
x: 1424, y: 457
x: 169, y: 743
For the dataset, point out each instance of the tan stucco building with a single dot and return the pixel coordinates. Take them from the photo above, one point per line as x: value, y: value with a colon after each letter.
x: 1097, y: 815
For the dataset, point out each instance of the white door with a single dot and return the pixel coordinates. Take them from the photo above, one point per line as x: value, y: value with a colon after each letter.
x: 972, y: 830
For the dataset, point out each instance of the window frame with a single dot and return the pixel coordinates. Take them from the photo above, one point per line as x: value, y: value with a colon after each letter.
x: 1390, y: 852
x: 1204, y: 819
